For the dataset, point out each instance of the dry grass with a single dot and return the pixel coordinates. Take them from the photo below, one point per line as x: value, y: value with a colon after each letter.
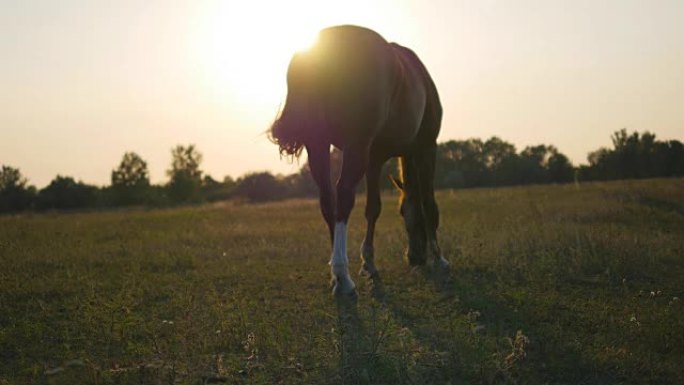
x: 549, y: 284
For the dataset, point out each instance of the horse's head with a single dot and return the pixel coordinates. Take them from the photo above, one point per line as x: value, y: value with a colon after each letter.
x: 411, y: 208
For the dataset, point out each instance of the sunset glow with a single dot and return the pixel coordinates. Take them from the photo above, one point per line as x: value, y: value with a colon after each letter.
x: 243, y: 48
x: 242, y: 59
x: 101, y: 78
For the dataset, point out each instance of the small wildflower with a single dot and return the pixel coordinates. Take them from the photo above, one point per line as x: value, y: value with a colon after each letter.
x: 518, y: 345
x: 218, y: 332
x: 653, y: 294
x: 474, y: 315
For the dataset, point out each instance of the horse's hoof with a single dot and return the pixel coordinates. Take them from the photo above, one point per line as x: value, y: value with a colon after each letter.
x: 344, y: 293
x: 343, y: 287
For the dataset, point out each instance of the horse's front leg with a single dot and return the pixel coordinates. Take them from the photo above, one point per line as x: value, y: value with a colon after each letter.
x: 373, y: 207
x: 353, y: 167
x: 319, y: 164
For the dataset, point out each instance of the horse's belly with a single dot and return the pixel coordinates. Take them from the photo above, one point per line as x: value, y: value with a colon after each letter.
x: 403, y: 122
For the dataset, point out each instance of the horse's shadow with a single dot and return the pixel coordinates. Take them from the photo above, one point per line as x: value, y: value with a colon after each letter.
x: 466, y: 292
x: 358, y: 357
x: 350, y: 337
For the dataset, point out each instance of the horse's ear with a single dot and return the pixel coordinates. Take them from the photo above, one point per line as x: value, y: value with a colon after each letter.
x: 397, y: 183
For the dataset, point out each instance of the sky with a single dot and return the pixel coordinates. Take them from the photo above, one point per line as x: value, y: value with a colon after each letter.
x: 83, y: 82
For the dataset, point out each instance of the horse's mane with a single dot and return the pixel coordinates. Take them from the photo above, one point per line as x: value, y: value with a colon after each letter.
x: 283, y: 133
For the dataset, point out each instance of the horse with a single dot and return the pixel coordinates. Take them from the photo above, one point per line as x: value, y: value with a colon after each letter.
x: 373, y: 100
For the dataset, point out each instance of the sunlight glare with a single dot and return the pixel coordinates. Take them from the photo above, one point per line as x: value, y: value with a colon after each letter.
x: 243, y: 48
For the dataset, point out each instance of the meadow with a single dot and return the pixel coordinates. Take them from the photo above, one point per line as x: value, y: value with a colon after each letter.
x: 556, y: 284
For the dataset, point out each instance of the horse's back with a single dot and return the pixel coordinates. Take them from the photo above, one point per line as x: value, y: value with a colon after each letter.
x: 414, y: 115
x: 351, y: 72
x: 396, y: 89
x: 418, y: 96
x: 350, y: 33
x: 353, y: 87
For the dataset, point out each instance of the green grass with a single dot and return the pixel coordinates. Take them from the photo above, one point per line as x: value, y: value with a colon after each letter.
x: 549, y: 284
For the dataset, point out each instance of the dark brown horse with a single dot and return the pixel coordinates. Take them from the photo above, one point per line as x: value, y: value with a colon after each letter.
x: 373, y: 100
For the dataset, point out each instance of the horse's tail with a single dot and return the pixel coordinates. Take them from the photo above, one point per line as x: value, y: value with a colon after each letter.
x: 303, y: 113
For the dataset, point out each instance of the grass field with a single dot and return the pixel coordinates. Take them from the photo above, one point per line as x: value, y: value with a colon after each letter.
x: 549, y: 284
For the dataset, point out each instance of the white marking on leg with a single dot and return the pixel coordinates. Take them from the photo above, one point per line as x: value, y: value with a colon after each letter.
x: 339, y: 260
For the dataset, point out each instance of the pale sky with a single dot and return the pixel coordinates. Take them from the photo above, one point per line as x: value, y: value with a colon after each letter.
x: 82, y: 82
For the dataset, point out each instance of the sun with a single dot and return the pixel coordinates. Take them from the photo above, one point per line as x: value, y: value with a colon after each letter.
x: 245, y: 49
x: 242, y: 48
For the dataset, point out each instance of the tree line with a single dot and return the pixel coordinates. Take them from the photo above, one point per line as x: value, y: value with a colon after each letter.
x: 460, y: 164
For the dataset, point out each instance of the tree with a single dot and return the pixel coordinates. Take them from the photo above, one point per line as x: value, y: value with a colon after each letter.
x: 210, y: 183
x: 261, y: 187
x: 11, y: 178
x: 228, y: 181
x: 559, y: 168
x: 15, y: 195
x: 543, y: 164
x: 532, y: 164
x: 461, y: 163
x: 501, y: 159
x: 303, y: 184
x: 186, y: 177
x: 671, y: 154
x: 635, y: 156
x: 65, y: 193
x: 131, y: 180
x: 213, y: 190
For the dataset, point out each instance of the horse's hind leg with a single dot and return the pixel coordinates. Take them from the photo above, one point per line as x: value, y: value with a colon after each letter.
x: 373, y: 207
x: 354, y: 164
x: 411, y: 207
x: 426, y: 163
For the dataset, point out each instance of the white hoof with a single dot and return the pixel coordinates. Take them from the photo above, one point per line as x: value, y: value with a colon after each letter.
x: 343, y: 286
